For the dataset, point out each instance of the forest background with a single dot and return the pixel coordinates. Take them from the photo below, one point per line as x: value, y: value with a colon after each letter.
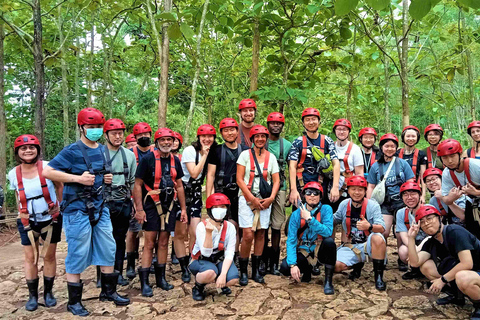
x: 182, y: 63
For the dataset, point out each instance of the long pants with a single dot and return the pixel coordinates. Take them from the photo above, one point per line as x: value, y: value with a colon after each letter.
x: 120, y: 212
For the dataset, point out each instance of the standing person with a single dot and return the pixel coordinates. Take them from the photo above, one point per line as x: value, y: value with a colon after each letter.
x: 177, y: 145
x: 400, y: 172
x: 280, y: 148
x: 38, y: 215
x: 86, y: 218
x: 474, y: 132
x: 368, y: 137
x: 433, y: 135
x: 464, y: 174
x: 248, y: 112
x: 158, y: 181
x: 130, y: 141
x: 305, y: 166
x: 214, y: 249
x: 309, y: 240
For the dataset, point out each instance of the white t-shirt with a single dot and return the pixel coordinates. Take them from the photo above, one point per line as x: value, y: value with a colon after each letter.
x: 33, y: 188
x: 244, y: 160
x: 229, y: 246
x: 447, y: 181
x: 355, y: 158
x: 188, y: 155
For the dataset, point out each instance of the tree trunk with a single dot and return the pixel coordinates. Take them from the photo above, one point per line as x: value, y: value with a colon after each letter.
x: 349, y: 96
x: 66, y: 125
x: 163, y: 92
x: 388, y: 124
x: 404, y: 65
x: 281, y: 107
x: 191, y: 111
x: 90, y: 64
x: 3, y: 121
x: 77, y: 83
x: 255, y: 57
x: 39, y: 73
x: 468, y: 61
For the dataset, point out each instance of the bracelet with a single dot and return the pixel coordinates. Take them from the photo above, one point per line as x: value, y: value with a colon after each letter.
x: 444, y: 280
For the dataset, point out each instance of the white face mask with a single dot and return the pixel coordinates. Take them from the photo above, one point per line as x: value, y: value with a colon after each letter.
x: 219, y: 213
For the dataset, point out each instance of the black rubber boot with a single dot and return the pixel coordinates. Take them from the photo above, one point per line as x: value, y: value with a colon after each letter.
x: 175, y: 260
x: 316, y: 269
x: 235, y: 260
x: 109, y: 290
x: 414, y: 273
x: 378, y: 268
x: 402, y: 266
x: 131, y: 265
x: 274, y: 258
x: 74, y: 304
x: 307, y: 275
x: 32, y: 303
x: 357, y: 271
x: 256, y: 276
x: 198, y: 291
x: 454, y: 297
x: 263, y: 261
x: 160, y: 277
x: 226, y: 290
x: 476, y: 311
x: 328, y: 284
x: 184, y: 266
x: 243, y: 271
x: 50, y: 300
x: 99, y: 281
x: 119, y: 268
x: 144, y: 273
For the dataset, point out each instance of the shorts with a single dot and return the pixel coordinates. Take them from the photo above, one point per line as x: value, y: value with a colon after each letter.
x: 88, y: 245
x: 202, y: 265
x: 56, y: 233
x: 233, y: 197
x: 348, y: 257
x: 133, y: 225
x: 194, y: 209
x: 245, y: 215
x: 153, y: 219
x: 391, y: 208
x: 277, y: 217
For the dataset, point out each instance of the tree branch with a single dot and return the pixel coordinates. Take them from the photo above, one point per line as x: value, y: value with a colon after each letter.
x: 19, y: 32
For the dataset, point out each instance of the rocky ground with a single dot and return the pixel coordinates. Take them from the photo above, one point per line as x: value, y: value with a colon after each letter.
x: 278, y: 298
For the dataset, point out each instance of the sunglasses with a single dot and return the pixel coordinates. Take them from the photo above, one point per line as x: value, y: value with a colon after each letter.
x: 312, y: 192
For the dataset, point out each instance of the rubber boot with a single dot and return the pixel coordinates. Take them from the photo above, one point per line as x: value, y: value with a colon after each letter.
x: 402, y: 266
x: 74, y: 304
x: 198, y: 291
x: 263, y: 261
x: 144, y: 273
x: 160, y: 277
x: 175, y: 260
x: 378, y: 268
x: 109, y: 290
x: 328, y: 284
x: 184, y: 266
x: 235, y: 260
x: 243, y: 271
x: 256, y: 276
x: 274, y: 258
x: 50, y: 300
x: 99, y: 281
x: 357, y: 271
x: 32, y: 303
x: 414, y: 273
x: 119, y: 267
x: 476, y: 311
x: 307, y: 274
x: 455, y: 297
x: 226, y: 290
x: 316, y: 269
x: 131, y: 265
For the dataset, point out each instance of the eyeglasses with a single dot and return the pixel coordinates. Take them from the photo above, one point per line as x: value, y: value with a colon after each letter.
x: 431, y: 180
x: 428, y: 219
x: 409, y: 194
x: 312, y: 192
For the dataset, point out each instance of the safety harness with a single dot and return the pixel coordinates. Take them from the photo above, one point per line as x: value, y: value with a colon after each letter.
x: 221, y: 245
x: 431, y: 163
x: 414, y: 161
x: 193, y: 188
x: 256, y: 212
x: 280, y: 161
x: 135, y: 151
x: 347, y: 172
x: 371, y: 162
x: 471, y: 153
x: 304, y: 226
x: 466, y: 170
x: 303, y: 156
x: 126, y: 188
x: 406, y: 219
x: 224, y: 180
x: 349, y: 216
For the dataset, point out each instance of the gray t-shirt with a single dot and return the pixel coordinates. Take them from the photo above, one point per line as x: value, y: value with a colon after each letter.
x: 447, y: 181
x: 117, y: 167
x: 401, y: 227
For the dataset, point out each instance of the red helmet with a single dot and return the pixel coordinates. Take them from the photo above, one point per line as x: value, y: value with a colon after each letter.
x: 310, y: 112
x: 258, y: 129
x: 247, y: 103
x: 178, y: 136
x: 342, y: 122
x: 206, y: 129
x: 358, y: 181
x: 276, y: 117
x: 113, y: 124
x: 410, y: 185
x: 432, y: 172
x: 130, y: 138
x: 424, y: 211
x: 141, y: 127
x: 449, y: 146
x: 472, y: 124
x: 228, y: 122
x: 217, y: 199
x: 388, y: 137
x: 313, y: 185
x: 432, y: 127
x: 90, y: 116
x: 367, y: 131
x: 26, y: 139
x: 164, y: 132
x: 410, y: 128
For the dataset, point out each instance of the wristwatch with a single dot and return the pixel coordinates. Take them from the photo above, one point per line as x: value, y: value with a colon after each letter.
x: 292, y: 265
x: 371, y: 228
x: 444, y: 280
x: 308, y: 220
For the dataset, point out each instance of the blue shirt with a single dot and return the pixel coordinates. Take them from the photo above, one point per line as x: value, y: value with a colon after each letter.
x: 402, y: 227
x: 395, y: 179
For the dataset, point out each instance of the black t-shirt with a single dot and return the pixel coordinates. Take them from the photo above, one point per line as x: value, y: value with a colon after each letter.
x: 455, y: 239
x: 357, y: 235
x: 146, y: 172
x: 422, y: 159
x: 230, y: 170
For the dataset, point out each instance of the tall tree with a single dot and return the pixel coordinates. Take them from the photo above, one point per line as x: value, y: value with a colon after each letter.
x: 65, y: 104
x: 3, y: 121
x: 90, y: 63
x: 255, y: 55
x: 39, y: 67
x: 468, y: 61
x: 163, y: 92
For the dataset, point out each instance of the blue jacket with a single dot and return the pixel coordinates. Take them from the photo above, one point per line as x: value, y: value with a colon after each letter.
x: 323, y: 228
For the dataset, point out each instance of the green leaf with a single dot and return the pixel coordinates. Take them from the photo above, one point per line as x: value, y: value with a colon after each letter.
x: 345, y: 33
x: 168, y: 16
x: 451, y: 75
x: 248, y: 42
x: 342, y: 7
x: 258, y: 6
x: 420, y: 8
x: 174, y: 32
x: 378, y: 4
x: 375, y: 55
x: 187, y: 31
x: 312, y: 8
x: 223, y: 20
x: 475, y: 4
x: 271, y: 58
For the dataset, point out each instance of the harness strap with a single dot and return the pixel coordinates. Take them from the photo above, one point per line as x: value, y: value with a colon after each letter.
x: 303, y: 156
x: 443, y: 212
x: 406, y: 218
x: 345, y: 159
x: 304, y: 225
x: 414, y: 161
x: 135, y: 151
x: 467, y: 172
x: 252, y: 168
x: 349, y: 216
x: 430, y: 163
x: 221, y: 242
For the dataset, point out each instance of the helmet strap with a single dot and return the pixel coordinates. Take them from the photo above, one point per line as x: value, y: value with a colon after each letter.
x: 439, y: 227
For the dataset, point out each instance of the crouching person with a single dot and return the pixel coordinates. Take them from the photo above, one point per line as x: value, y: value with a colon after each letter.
x: 214, y: 249
x: 362, y: 221
x: 310, y: 239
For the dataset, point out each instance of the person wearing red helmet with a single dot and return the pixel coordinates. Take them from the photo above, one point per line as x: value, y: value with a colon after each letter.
x: 177, y: 145
x: 81, y: 166
x: 464, y: 174
x: 455, y: 253
x: 158, y: 183
x: 248, y: 111
x: 368, y: 137
x: 304, y: 167
x: 130, y: 141
x: 309, y: 238
x: 214, y: 249
x: 433, y: 134
x: 473, y: 131
x: 362, y: 222
x: 38, y: 216
x: 259, y: 185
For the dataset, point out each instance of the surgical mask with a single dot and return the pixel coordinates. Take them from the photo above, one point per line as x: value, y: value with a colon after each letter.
x: 94, y: 134
x: 143, y: 142
x: 219, y: 213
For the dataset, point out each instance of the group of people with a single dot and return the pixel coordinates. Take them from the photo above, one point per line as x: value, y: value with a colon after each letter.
x: 104, y: 195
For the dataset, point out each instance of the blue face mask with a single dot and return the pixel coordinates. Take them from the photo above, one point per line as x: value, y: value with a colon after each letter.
x: 93, y: 134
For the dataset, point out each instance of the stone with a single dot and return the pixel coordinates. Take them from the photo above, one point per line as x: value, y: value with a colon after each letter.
x: 104, y: 308
x: 412, y: 302
x: 405, y: 313
x: 308, y: 293
x: 280, y: 294
x: 453, y: 311
x: 161, y: 307
x: 138, y: 309
x: 376, y: 310
x: 277, y: 306
x: 8, y: 287
x: 270, y: 317
x: 351, y: 305
x: 296, y: 314
x: 249, y: 301
x: 16, y: 276
x: 330, y: 314
x: 187, y: 313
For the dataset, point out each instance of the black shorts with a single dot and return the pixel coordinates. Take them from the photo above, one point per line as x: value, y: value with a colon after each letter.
x: 193, y: 198
x: 391, y: 207
x: 153, y: 219
x: 233, y: 197
x: 56, y: 234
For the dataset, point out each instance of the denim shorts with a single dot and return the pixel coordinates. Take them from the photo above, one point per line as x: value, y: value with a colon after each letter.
x: 86, y: 245
x: 348, y: 257
x: 202, y: 265
x: 56, y: 232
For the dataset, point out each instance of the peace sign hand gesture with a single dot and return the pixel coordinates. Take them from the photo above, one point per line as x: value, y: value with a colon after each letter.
x: 413, y: 231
